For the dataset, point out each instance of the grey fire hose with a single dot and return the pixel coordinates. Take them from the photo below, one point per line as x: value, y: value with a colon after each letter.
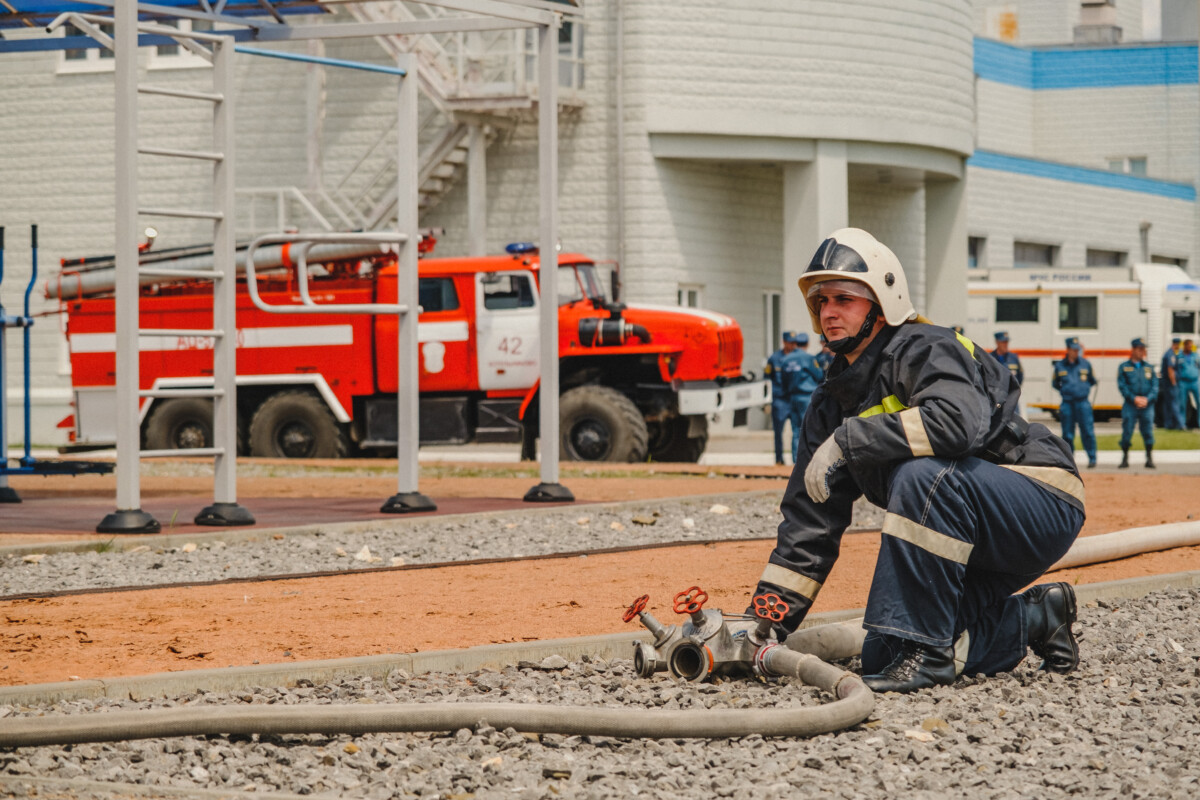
x: 853, y: 704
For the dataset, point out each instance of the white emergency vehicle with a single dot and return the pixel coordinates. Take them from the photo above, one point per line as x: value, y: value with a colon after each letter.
x: 1105, y: 307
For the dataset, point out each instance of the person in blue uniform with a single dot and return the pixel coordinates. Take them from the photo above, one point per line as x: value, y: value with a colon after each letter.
x: 1188, y: 368
x: 781, y: 404
x: 1169, y: 389
x: 1139, y: 386
x: 825, y: 357
x: 1008, y: 358
x: 1074, y: 379
x: 801, y: 376
x: 979, y: 502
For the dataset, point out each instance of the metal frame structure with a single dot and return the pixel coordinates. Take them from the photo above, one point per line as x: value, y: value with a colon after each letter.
x: 485, y: 15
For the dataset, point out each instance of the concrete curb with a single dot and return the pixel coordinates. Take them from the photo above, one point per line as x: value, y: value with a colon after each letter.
x: 607, y: 646
x: 121, y: 543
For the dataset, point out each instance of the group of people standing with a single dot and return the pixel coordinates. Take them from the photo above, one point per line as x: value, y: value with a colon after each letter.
x: 1140, y: 389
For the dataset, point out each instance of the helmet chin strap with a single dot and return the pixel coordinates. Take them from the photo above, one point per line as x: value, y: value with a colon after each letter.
x: 849, y: 344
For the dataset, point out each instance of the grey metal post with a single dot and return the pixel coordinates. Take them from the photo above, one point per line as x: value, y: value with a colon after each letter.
x: 225, y: 509
x: 476, y: 190
x: 408, y: 397
x: 129, y: 517
x: 549, y: 490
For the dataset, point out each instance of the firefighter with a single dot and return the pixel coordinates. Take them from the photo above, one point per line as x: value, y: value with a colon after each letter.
x: 1139, y: 386
x: 1008, y: 358
x: 1169, y: 396
x: 781, y: 405
x: 1187, y: 367
x: 979, y: 502
x: 1074, y: 379
x: 800, y: 378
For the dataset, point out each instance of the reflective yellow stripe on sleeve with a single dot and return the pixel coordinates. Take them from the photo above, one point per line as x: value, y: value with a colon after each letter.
x: 914, y: 431
x: 890, y: 404
x: 786, y: 579
x: 965, y: 342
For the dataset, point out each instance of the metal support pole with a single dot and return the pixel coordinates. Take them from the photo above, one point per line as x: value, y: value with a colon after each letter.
x: 129, y: 517
x: 408, y: 398
x: 549, y: 490
x: 476, y: 191
x: 225, y: 510
x: 26, y: 328
x: 7, y: 493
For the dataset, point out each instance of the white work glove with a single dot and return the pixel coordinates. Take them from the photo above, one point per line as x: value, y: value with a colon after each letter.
x: 825, y: 461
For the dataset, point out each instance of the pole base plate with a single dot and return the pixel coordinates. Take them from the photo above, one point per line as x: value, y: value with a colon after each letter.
x: 224, y: 515
x: 9, y: 495
x: 129, y: 521
x: 549, y: 493
x: 407, y: 503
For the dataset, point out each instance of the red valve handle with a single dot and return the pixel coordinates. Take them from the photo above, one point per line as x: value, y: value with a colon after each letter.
x: 690, y: 600
x: 635, y: 608
x: 769, y: 607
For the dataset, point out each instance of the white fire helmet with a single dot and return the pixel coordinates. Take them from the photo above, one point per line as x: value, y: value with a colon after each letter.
x: 852, y: 254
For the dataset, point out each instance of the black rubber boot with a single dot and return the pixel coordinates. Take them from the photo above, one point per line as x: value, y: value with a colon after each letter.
x: 1049, y: 614
x: 916, y: 666
x: 1150, y: 457
x: 1124, y: 458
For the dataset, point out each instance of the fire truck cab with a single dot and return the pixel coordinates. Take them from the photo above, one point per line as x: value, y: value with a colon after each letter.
x: 636, y: 381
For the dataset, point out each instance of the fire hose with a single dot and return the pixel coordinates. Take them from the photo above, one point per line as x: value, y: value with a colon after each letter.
x: 768, y: 658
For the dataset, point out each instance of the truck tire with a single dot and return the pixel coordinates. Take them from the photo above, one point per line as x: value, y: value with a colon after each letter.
x: 600, y: 424
x: 669, y: 440
x: 295, y: 423
x: 180, y: 423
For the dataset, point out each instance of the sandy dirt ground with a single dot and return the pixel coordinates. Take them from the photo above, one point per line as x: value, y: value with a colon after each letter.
x: 409, y: 610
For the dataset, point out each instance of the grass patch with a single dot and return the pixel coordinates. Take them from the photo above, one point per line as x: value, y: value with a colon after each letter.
x: 1163, y: 440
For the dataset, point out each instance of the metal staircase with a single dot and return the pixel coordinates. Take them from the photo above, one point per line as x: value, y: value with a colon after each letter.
x: 467, y: 78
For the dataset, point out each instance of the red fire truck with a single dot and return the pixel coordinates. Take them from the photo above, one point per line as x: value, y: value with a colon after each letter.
x: 636, y: 381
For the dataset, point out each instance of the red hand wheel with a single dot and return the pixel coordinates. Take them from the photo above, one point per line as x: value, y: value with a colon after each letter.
x: 635, y: 608
x: 769, y: 607
x: 691, y: 600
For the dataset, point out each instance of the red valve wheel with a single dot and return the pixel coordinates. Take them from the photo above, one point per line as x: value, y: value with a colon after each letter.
x: 770, y: 607
x: 635, y: 608
x: 690, y: 600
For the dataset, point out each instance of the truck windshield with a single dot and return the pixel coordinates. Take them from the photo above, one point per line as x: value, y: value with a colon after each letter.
x: 577, y: 282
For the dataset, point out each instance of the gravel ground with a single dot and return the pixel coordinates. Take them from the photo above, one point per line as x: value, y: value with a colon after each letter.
x: 517, y: 533
x: 1123, y: 725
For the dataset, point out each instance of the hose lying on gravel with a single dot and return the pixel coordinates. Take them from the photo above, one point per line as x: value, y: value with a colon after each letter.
x: 855, y: 702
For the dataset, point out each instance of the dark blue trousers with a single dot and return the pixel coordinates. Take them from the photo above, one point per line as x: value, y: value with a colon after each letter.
x: 1169, y: 397
x: 960, y: 537
x: 781, y: 410
x: 1073, y: 412
x: 1143, y: 418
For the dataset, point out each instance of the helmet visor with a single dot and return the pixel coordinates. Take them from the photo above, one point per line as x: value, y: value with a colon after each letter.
x: 834, y: 257
x: 855, y: 288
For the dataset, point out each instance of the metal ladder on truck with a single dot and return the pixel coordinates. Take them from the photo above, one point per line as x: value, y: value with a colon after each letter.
x: 27, y: 464
x: 219, y: 50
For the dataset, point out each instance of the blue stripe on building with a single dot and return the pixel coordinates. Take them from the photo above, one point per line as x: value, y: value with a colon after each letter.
x: 1086, y: 68
x: 1072, y: 174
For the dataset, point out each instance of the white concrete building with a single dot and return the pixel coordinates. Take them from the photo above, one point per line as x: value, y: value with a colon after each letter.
x: 963, y: 134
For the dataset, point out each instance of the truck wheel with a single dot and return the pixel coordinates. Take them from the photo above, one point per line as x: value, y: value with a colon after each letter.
x: 669, y: 440
x: 296, y: 424
x: 601, y: 424
x: 180, y: 423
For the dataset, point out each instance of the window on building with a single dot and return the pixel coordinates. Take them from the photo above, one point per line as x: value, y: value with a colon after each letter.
x: 1078, y: 313
x: 175, y: 56
x: 1016, y: 309
x: 1178, y: 262
x: 437, y: 294
x: 1033, y: 255
x: 772, y: 321
x: 1183, y: 322
x: 507, y: 291
x: 90, y: 59
x: 1106, y: 258
x: 570, y: 55
x: 690, y: 295
x: 1130, y: 165
x: 976, y: 252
